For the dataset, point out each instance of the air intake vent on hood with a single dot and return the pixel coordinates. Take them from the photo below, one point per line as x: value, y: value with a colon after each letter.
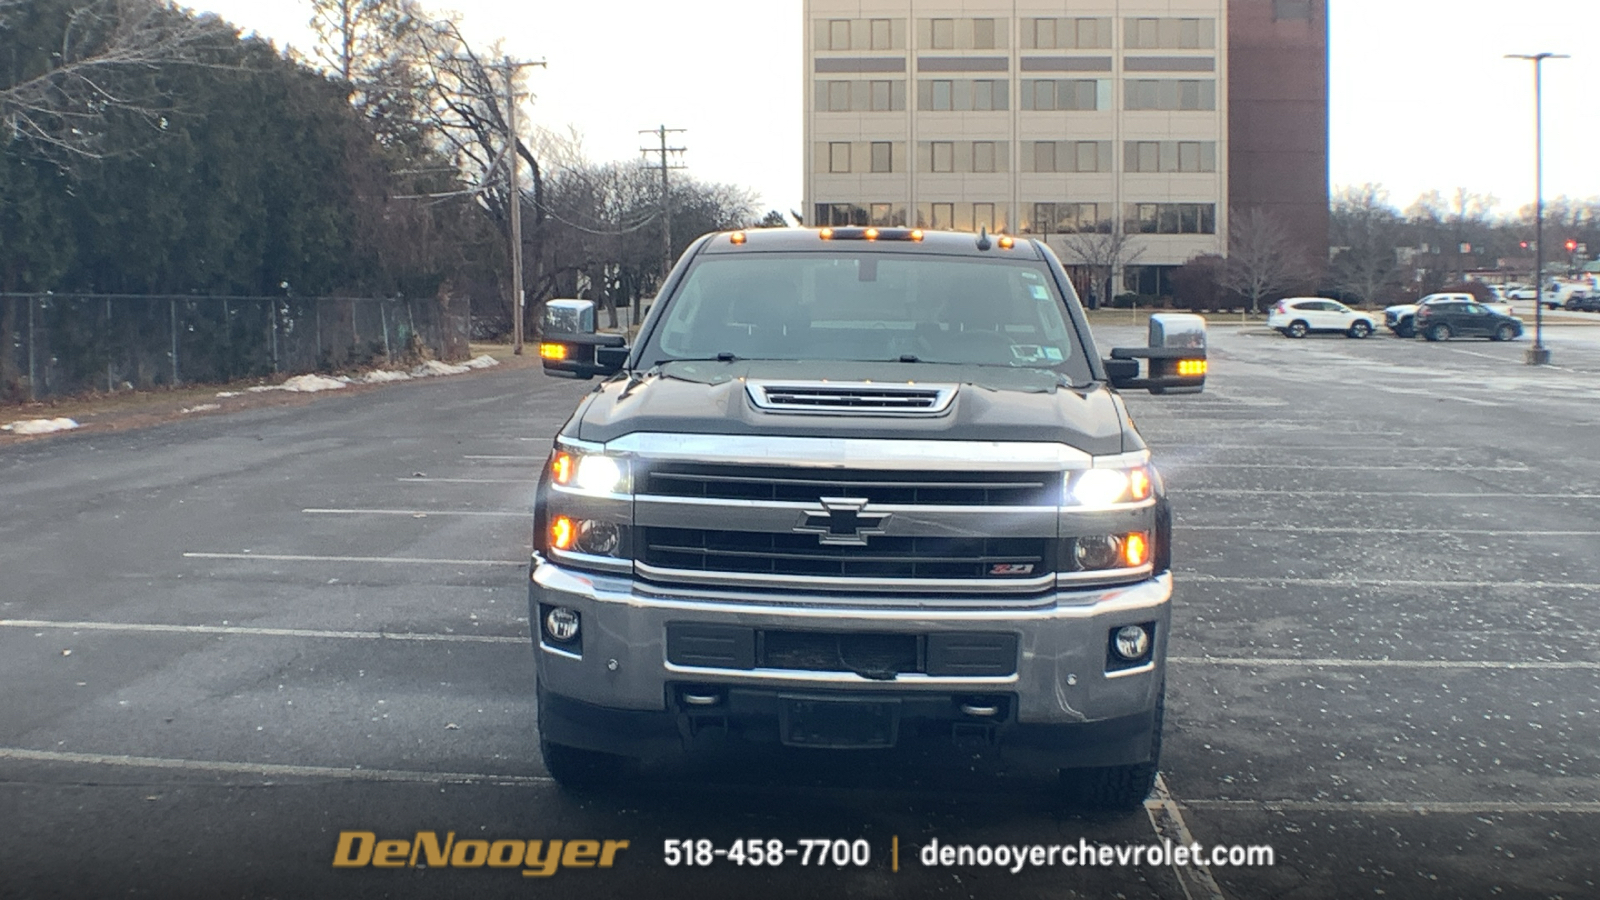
x: 851, y: 397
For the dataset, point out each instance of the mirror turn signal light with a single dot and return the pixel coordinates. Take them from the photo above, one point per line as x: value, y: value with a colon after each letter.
x: 553, y: 351
x: 1189, y: 368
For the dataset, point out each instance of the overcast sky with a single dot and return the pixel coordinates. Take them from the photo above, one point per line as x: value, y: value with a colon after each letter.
x: 1421, y: 96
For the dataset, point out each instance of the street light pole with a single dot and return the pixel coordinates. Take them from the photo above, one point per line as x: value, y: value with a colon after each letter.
x: 1538, y: 354
x: 518, y: 298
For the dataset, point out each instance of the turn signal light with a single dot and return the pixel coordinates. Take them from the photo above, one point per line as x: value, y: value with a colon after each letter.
x: 562, y: 533
x: 1138, y: 484
x: 561, y: 466
x: 553, y: 351
x: 1135, y: 549
x: 1189, y: 368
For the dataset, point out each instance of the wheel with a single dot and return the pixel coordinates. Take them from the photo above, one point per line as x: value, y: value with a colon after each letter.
x: 1505, y: 332
x: 1405, y: 329
x: 1297, y: 329
x: 1119, y: 787
x: 577, y: 769
x: 1359, y: 330
x: 1439, y: 332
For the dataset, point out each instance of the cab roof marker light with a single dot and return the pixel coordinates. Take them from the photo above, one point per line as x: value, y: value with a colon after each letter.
x: 826, y: 234
x: 1007, y: 242
x: 916, y: 234
x: 738, y: 237
x: 871, y: 234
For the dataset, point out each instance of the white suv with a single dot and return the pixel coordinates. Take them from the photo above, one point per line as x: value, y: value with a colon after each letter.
x: 1297, y: 317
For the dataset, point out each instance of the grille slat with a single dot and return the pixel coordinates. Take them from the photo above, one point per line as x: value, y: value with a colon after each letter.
x: 707, y: 550
x: 851, y: 398
x: 806, y: 485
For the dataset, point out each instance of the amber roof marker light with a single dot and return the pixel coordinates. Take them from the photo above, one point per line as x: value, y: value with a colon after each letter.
x: 738, y: 237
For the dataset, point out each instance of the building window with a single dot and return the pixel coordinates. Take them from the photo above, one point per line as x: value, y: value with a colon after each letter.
x: 882, y: 156
x: 941, y: 95
x: 944, y: 215
x: 1170, y: 156
x: 1044, y: 156
x: 983, y: 216
x: 839, y: 156
x: 1171, y: 218
x: 1170, y: 34
x: 881, y: 213
x: 944, y: 156
x: 1291, y: 9
x: 1169, y: 94
x: 983, y: 34
x: 1065, y: 93
x: 880, y: 34
x: 983, y: 156
x: 838, y: 96
x: 838, y: 34
x: 944, y: 34
x: 1044, y: 34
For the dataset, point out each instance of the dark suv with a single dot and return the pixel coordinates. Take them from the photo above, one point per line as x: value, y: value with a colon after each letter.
x: 1443, y: 321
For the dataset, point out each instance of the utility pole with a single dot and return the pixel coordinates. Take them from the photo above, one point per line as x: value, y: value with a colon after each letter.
x: 666, y: 164
x: 1538, y: 354
x: 518, y: 299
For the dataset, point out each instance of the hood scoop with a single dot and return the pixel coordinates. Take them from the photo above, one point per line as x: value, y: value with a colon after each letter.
x: 847, y: 398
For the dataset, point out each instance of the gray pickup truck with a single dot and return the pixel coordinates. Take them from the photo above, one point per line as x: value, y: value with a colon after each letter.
x: 857, y: 488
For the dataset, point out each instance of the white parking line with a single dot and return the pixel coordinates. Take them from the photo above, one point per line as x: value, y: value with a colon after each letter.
x: 537, y: 459
x: 278, y: 770
x: 426, y: 480
x: 1319, y: 529
x: 1389, y: 582
x: 140, y: 627
x: 1168, y: 823
x: 1423, y: 807
x: 1336, y: 492
x: 418, y: 513
x: 406, y: 560
x: 1315, y: 467
x: 1282, y: 662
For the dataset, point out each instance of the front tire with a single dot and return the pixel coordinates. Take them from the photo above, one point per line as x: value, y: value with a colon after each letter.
x: 1439, y: 332
x: 1405, y: 330
x: 1119, y: 788
x: 1359, y: 330
x: 1505, y: 333
x: 1297, y: 329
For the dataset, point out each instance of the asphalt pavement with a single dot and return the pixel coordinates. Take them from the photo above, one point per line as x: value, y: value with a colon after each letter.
x: 225, y: 641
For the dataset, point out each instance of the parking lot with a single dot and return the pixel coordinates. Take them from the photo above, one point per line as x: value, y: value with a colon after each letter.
x: 226, y: 640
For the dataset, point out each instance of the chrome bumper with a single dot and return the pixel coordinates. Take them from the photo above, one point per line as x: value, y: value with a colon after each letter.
x: 1061, y: 676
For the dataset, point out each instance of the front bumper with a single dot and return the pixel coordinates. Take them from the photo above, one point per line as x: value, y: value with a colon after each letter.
x: 1064, y: 704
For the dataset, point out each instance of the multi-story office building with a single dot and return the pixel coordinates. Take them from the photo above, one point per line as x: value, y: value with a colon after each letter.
x: 1054, y: 118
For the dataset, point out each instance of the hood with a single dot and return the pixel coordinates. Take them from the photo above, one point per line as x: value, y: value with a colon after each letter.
x: 989, y: 404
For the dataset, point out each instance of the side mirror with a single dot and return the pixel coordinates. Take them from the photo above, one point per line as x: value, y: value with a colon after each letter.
x: 1176, y: 354
x: 571, y: 348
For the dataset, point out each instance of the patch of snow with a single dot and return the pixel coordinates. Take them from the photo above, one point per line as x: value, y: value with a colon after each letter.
x: 434, y: 367
x: 39, y: 426
x: 228, y: 393
x: 379, y: 376
x: 481, y: 362
x: 303, y: 384
x: 201, y: 408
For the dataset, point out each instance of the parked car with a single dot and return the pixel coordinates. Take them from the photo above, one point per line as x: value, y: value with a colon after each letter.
x: 1454, y: 318
x: 1297, y: 317
x: 1400, y: 318
x: 1589, y: 303
x: 1575, y: 300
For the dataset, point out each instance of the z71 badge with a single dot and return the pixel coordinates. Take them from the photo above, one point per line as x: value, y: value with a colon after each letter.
x: 1011, y: 569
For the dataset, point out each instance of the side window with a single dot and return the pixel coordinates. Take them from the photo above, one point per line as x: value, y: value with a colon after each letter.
x: 1475, y: 309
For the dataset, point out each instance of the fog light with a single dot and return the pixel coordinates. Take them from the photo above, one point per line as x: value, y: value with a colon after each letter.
x: 1102, y: 551
x: 561, y: 624
x: 598, y: 538
x: 1131, y: 643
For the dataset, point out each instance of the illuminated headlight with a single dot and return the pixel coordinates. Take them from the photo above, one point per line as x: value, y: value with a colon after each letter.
x: 1099, y: 488
x: 592, y: 473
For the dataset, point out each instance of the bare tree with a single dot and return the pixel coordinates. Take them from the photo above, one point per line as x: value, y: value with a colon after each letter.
x: 108, y: 53
x: 1367, y: 231
x: 1102, y: 253
x: 1262, y: 258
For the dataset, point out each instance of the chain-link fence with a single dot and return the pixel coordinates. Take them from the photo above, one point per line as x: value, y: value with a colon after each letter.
x: 58, y: 344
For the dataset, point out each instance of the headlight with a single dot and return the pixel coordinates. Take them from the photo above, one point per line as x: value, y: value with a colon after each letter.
x: 591, y: 473
x: 1100, y: 488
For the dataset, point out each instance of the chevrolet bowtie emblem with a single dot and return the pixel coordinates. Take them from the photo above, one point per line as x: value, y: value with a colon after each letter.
x: 842, y: 520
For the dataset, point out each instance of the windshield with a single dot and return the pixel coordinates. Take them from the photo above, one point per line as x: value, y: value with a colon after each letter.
x: 899, y: 308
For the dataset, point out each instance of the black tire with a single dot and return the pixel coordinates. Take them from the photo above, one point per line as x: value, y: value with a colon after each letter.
x: 1439, y: 332
x: 1297, y: 329
x: 1359, y: 330
x: 1505, y: 332
x: 577, y: 769
x: 1118, y: 788
x: 1405, y: 329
